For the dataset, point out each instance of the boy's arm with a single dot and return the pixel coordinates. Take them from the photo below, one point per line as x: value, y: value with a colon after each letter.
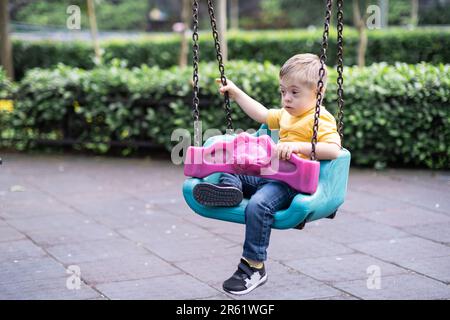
x: 251, y: 107
x: 324, y: 150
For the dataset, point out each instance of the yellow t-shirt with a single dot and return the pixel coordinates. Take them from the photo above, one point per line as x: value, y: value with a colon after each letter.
x: 300, y: 128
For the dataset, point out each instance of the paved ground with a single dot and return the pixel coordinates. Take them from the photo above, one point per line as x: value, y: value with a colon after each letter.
x: 122, y: 225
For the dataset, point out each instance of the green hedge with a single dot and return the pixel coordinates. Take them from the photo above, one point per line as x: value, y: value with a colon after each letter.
x: 395, y: 115
x: 6, y: 86
x: 391, y: 45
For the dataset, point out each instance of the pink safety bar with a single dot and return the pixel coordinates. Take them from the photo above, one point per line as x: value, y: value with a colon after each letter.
x: 255, y: 156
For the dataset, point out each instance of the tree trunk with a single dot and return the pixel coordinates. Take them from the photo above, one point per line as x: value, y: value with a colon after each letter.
x: 93, y: 27
x: 5, y: 42
x: 359, y: 22
x: 222, y: 27
x: 186, y: 19
x: 362, y: 46
x: 414, y: 12
x: 234, y: 15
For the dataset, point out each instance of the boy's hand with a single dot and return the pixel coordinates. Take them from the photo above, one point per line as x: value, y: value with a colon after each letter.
x: 285, y: 149
x: 231, y: 88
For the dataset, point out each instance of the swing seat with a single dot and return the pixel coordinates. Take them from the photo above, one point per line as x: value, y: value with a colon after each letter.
x: 325, y: 201
x: 251, y: 155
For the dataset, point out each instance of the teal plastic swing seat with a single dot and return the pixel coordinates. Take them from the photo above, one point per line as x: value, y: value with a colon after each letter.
x: 330, y: 194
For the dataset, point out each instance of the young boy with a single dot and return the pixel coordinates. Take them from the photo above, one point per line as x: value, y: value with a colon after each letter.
x: 298, y: 86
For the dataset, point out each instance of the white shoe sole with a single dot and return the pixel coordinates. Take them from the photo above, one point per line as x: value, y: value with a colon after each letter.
x: 253, y: 287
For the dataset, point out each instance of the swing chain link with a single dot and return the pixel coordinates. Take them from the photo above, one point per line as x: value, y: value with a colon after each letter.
x: 195, y: 49
x: 320, y: 84
x: 223, y: 79
x: 340, y: 68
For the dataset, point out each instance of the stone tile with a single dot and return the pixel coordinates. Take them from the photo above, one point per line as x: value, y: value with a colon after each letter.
x: 404, y: 249
x: 439, y: 232
x: 9, y: 234
x: 438, y: 180
x: 19, y: 189
x: 189, y: 249
x: 437, y: 268
x: 283, y: 283
x: 345, y: 228
x: 360, y: 176
x: 141, y: 199
x: 342, y: 268
x: 170, y: 179
x: 272, y: 291
x: 70, y: 183
x: 162, y: 192
x: 41, y: 164
x: 37, y: 204
x: 223, y: 228
x: 177, y: 206
x: 295, y: 244
x: 62, y: 228
x: 170, y: 230
x: 95, y: 250
x: 421, y: 196
x: 45, y: 289
x: 28, y: 202
x: 363, y: 202
x: 234, y: 232
x: 119, y: 219
x: 121, y: 212
x: 98, y: 298
x: 104, y: 205
x: 220, y: 296
x: 136, y: 267
x: 211, y: 270
x: 50, y: 222
x: 10, y: 179
x: 75, y: 234
x: 399, y: 287
x: 19, y: 250
x: 407, y: 216
x: 30, y: 270
x: 343, y: 296
x: 172, y: 287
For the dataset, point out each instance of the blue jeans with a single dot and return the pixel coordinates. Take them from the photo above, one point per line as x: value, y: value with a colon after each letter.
x: 266, y: 197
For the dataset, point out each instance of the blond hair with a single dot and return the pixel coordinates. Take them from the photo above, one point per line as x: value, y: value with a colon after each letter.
x: 304, y: 69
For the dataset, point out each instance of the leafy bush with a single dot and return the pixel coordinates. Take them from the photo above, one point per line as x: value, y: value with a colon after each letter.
x: 7, y: 90
x: 394, y: 115
x: 110, y: 14
x: 6, y: 87
x: 391, y: 45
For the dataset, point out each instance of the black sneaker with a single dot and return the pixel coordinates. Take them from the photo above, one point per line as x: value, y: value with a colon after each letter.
x: 217, y: 195
x: 245, y: 279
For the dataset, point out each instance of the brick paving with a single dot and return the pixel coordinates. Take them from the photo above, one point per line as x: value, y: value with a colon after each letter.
x: 123, y: 224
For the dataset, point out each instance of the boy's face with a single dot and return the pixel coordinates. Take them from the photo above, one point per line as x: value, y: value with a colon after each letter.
x: 296, y: 98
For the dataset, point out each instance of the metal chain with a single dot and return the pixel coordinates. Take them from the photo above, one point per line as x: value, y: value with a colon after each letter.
x: 340, y: 68
x: 195, y: 49
x: 220, y: 61
x: 320, y: 84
